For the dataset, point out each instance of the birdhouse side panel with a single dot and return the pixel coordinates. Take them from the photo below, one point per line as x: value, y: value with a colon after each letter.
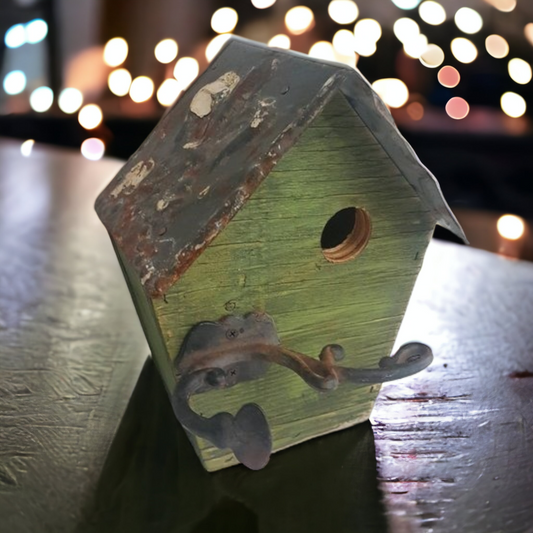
x: 273, y: 257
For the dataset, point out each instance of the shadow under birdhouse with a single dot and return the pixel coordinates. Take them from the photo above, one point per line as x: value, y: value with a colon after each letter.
x: 153, y: 481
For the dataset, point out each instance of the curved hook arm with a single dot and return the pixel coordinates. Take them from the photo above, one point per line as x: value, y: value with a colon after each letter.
x: 231, y: 361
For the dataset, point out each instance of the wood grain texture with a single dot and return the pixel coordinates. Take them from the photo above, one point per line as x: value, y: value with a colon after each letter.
x: 71, y: 348
x: 455, y: 443
x: 269, y: 259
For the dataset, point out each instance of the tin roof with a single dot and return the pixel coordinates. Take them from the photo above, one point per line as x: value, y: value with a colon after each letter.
x: 220, y: 140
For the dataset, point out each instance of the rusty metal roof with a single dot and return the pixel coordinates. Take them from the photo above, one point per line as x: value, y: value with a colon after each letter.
x: 220, y: 140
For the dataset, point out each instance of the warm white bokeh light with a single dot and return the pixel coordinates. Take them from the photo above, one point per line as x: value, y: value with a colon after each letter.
x: 166, y: 51
x: 343, y: 11
x: 92, y: 149
x: 365, y: 48
x: 506, y: 6
x: 224, y: 20
x: 432, y: 12
x: 36, y: 31
x: 15, y: 36
x: 26, y: 147
x: 344, y: 42
x: 416, y: 47
x: 432, y: 57
x: 280, y: 41
x: 528, y: 32
x: 406, y: 4
x: 367, y: 30
x: 263, y: 4
x: 119, y: 82
x: 168, y: 92
x: 15, y: 82
x: 141, y: 89
x: 510, y: 227
x: 468, y: 20
x: 186, y: 70
x: 90, y: 116
x: 299, y: 19
x: 406, y: 29
x: 497, y: 46
x: 513, y: 104
x: 70, y: 100
x: 392, y: 91
x: 41, y: 99
x: 457, y: 108
x: 463, y: 50
x: 323, y: 50
x: 519, y: 70
x: 215, y: 45
x: 115, y: 52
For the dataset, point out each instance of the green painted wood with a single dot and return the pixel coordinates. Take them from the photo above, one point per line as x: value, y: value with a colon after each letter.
x: 269, y: 258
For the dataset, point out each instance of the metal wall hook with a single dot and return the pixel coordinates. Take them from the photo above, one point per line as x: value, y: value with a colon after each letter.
x: 217, y: 355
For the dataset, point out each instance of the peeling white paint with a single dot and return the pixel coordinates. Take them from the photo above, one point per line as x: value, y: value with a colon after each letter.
x: 134, y: 177
x: 202, y: 103
x: 262, y: 111
x: 148, y: 275
x: 161, y: 205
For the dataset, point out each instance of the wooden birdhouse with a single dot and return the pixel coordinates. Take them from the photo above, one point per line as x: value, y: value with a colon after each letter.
x: 271, y: 229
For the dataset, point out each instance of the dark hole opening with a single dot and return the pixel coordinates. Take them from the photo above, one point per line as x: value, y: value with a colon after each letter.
x: 338, y: 228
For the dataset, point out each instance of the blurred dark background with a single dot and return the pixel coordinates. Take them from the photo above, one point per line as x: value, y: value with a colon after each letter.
x: 97, y: 75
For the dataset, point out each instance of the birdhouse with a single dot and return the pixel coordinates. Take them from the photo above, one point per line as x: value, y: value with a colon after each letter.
x: 271, y: 229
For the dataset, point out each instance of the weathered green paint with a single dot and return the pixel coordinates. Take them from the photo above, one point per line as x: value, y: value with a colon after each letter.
x: 269, y: 258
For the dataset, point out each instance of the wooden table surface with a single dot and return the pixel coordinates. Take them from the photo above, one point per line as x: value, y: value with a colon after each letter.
x: 88, y: 441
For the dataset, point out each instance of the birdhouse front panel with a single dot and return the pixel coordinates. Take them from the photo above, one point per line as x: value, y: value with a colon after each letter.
x: 271, y: 229
x: 275, y: 257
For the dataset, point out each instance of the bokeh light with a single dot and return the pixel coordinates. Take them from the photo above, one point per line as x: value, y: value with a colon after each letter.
x: 36, y: 31
x: 323, y: 50
x: 406, y: 4
x: 263, y: 4
x: 367, y: 30
x: 119, y: 82
x: 506, y: 6
x: 415, y: 110
x: 392, y: 91
x: 510, y: 227
x: 468, y: 20
x: 528, y: 32
x: 449, y: 77
x: 463, y: 50
x: 457, y: 108
x: 280, y: 41
x: 519, y: 70
x: 215, y: 45
x: 70, y: 100
x: 343, y: 11
x: 224, y: 20
x: 41, y: 99
x: 92, y: 149
x: 432, y: 57
x: 141, y: 89
x: 416, y: 47
x: 15, y: 36
x: 432, y: 12
x: 90, y: 116
x: 115, y: 52
x: 513, y: 104
x: 406, y: 29
x: 26, y: 147
x: 186, y: 70
x: 166, y: 51
x: 343, y: 42
x: 168, y: 92
x: 15, y: 82
x: 497, y: 46
x: 299, y: 19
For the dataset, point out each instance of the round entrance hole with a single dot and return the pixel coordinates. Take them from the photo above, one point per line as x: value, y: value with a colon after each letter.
x: 345, y: 234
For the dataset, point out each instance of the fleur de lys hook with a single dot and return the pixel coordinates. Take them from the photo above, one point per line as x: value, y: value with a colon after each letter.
x: 217, y: 355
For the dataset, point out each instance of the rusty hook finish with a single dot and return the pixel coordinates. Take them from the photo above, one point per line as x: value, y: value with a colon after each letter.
x: 217, y: 355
